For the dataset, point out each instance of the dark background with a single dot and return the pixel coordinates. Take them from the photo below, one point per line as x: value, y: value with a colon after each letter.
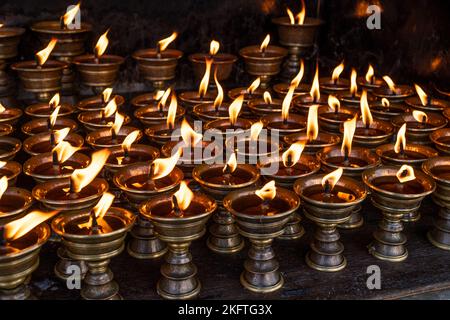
x: 412, y: 44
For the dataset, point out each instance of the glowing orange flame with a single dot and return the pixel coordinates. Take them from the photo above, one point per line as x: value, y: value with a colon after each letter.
x: 231, y: 164
x: 162, y: 167
x: 159, y: 94
x: 172, y: 111
x: 100, y: 209
x: 390, y: 83
x: 203, y: 88
x: 292, y: 155
x: 110, y: 108
x: 106, y: 94
x: 20, y: 227
x: 334, y: 103
x: 365, y: 110
x: 164, y: 96
x: 268, y: 191
x: 164, y: 43
x: 298, y: 78
x: 43, y: 55
x: 422, y: 95
x: 64, y: 150
x: 101, y: 45
x: 184, y: 196
x: 2, y: 164
x: 54, y: 101
x: 300, y: 17
x: 420, y: 116
x: 254, y: 85
x: 118, y: 122
x: 189, y: 136
x: 290, y: 15
x: 385, y: 102
x: 405, y: 174
x: 315, y: 87
x: 312, y: 129
x: 2, y: 108
x: 70, y: 15
x: 80, y: 178
x: 235, y: 109
x: 265, y: 43
x: 219, y: 98
x: 214, y: 47
x: 370, y: 73
x: 129, y: 140
x: 1, y: 25
x: 267, y: 97
x: 286, y: 104
x: 255, y: 130
x: 349, y: 132
x: 400, y: 143
x: 337, y: 72
x: 54, y: 116
x: 61, y: 134
x: 332, y: 178
x: 353, y: 85
x: 3, y: 185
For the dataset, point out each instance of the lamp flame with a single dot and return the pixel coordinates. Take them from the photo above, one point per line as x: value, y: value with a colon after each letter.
x: 286, y: 104
x: 235, y: 109
x: 349, y: 131
x: 172, y: 111
x: 164, y: 96
x: 422, y: 95
x: 255, y: 130
x: 353, y: 84
x: 420, y: 116
x: 334, y: 103
x: 254, y: 85
x: 80, y: 178
x: 267, y: 97
x: 164, y: 43
x: 106, y: 94
x: 405, y: 174
x: 43, y: 55
x: 162, y: 167
x: 64, y: 150
x: 214, y: 47
x: 70, y: 15
x: 265, y: 43
x: 101, y: 45
x: 159, y: 94
x: 61, y: 134
x: 54, y: 116
x: 184, y: 196
x: 100, y: 209
x: 129, y: 140
x: 315, y: 87
x: 231, y: 164
x: 390, y: 83
x: 292, y: 155
x: 298, y: 78
x: 203, y: 88
x: 300, y: 17
x: 267, y: 192
x: 189, y: 136
x: 219, y: 98
x: 20, y: 227
x: 400, y: 143
x: 54, y: 101
x: 370, y: 73
x: 3, y: 185
x: 385, y: 102
x: 312, y: 127
x: 2, y: 164
x: 290, y: 15
x: 110, y: 108
x: 365, y: 110
x: 332, y: 178
x: 2, y: 108
x: 337, y: 72
x: 118, y: 122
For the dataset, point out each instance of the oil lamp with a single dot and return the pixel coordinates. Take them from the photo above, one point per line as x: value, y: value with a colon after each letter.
x: 425, y: 102
x: 370, y: 81
x: 147, y: 99
x: 265, y: 105
x: 300, y: 88
x: 9, y: 147
x: 303, y: 102
x: 179, y: 218
x: 331, y: 118
x: 298, y: 33
x: 158, y: 65
x: 9, y: 115
x: 14, y: 202
x: 45, y: 142
x: 292, y: 164
x: 21, y: 242
x: 393, y: 92
x: 162, y: 133
x: 396, y: 191
x: 51, y: 108
x: 71, y: 41
x: 222, y: 62
x: 189, y: 99
x: 6, y: 129
x: 10, y: 169
x: 99, y: 102
x: 254, y: 91
x: 353, y: 161
x: 352, y: 97
x: 441, y: 140
x: 9, y: 41
x: 42, y: 76
x: 43, y: 125
x: 335, y: 83
x: 139, y: 182
x: 419, y: 125
x: 263, y: 61
x: 328, y: 200
x: 385, y: 110
x: 159, y: 113
x: 95, y: 236
x: 439, y: 169
x: 370, y: 132
x: 313, y: 139
x: 285, y: 123
x: 261, y: 215
x: 98, y: 70
x: 217, y: 181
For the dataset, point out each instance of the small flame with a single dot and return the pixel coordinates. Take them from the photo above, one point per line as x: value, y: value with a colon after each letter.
x: 422, y: 95
x: 1, y: 25
x: 370, y: 73
x: 80, y: 178
x: 189, y: 136
x: 353, y: 84
x: 172, y: 111
x: 312, y: 129
x: 315, y: 87
x: 54, y: 116
x: 292, y: 155
x: 390, y: 83
x: 164, y: 166
x: 365, y: 110
x: 235, y: 109
x: 300, y: 17
x: 2, y: 164
x: 2, y: 108
x: 231, y: 164
x: 286, y: 104
x: 164, y: 43
x: 298, y: 78
x: 255, y: 84
x: 164, y: 96
x: 337, y: 72
x: 400, y: 143
x: 64, y: 150
x: 420, y: 116
x: 43, y: 55
x: 385, y: 102
x: 54, y: 102
x: 3, y: 185
x: 255, y: 130
x: 106, y: 94
x: 405, y: 174
x: 290, y: 15
x: 101, y: 45
x: 268, y: 191
x: 118, y: 122
x: 349, y: 131
x: 110, y: 108
x: 203, y: 88
x: 219, y: 98
x: 334, y: 103
x: 129, y: 140
x: 70, y: 15
x: 332, y: 178
x: 265, y: 43
x: 184, y: 196
x: 20, y: 227
x: 214, y: 47
x: 267, y: 97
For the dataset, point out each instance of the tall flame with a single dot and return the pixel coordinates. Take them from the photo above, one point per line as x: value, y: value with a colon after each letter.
x: 61, y: 134
x: 164, y: 43
x: 64, y: 150
x: 390, y: 83
x: 118, y: 122
x: 3, y: 185
x: 231, y: 163
x: 54, y: 116
x: 101, y: 45
x: 334, y: 103
x: 106, y: 94
x: 265, y: 43
x: 235, y: 109
x: 203, y: 88
x: 422, y: 95
x: 365, y: 110
x: 70, y: 15
x: 353, y: 84
x: 54, y: 101
x: 162, y: 167
x: 80, y: 178
x: 184, y: 196
x: 219, y: 98
x: 214, y: 47
x: 43, y: 55
x: 315, y: 87
x: 332, y: 178
x: 189, y: 136
x: 420, y: 116
x: 110, y: 108
x: 172, y: 111
x: 298, y: 78
x: 286, y: 104
x: 349, y: 131
x: 290, y: 15
x: 267, y: 97
x: 300, y: 17
x: 100, y: 209
x: 129, y: 140
x: 254, y: 85
x: 337, y: 72
x: 20, y: 227
x: 400, y: 143
x: 164, y: 96
x: 370, y: 73
x: 268, y: 191
x: 292, y: 155
x: 405, y: 174
x: 255, y: 130
x: 312, y: 128
x: 159, y: 94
